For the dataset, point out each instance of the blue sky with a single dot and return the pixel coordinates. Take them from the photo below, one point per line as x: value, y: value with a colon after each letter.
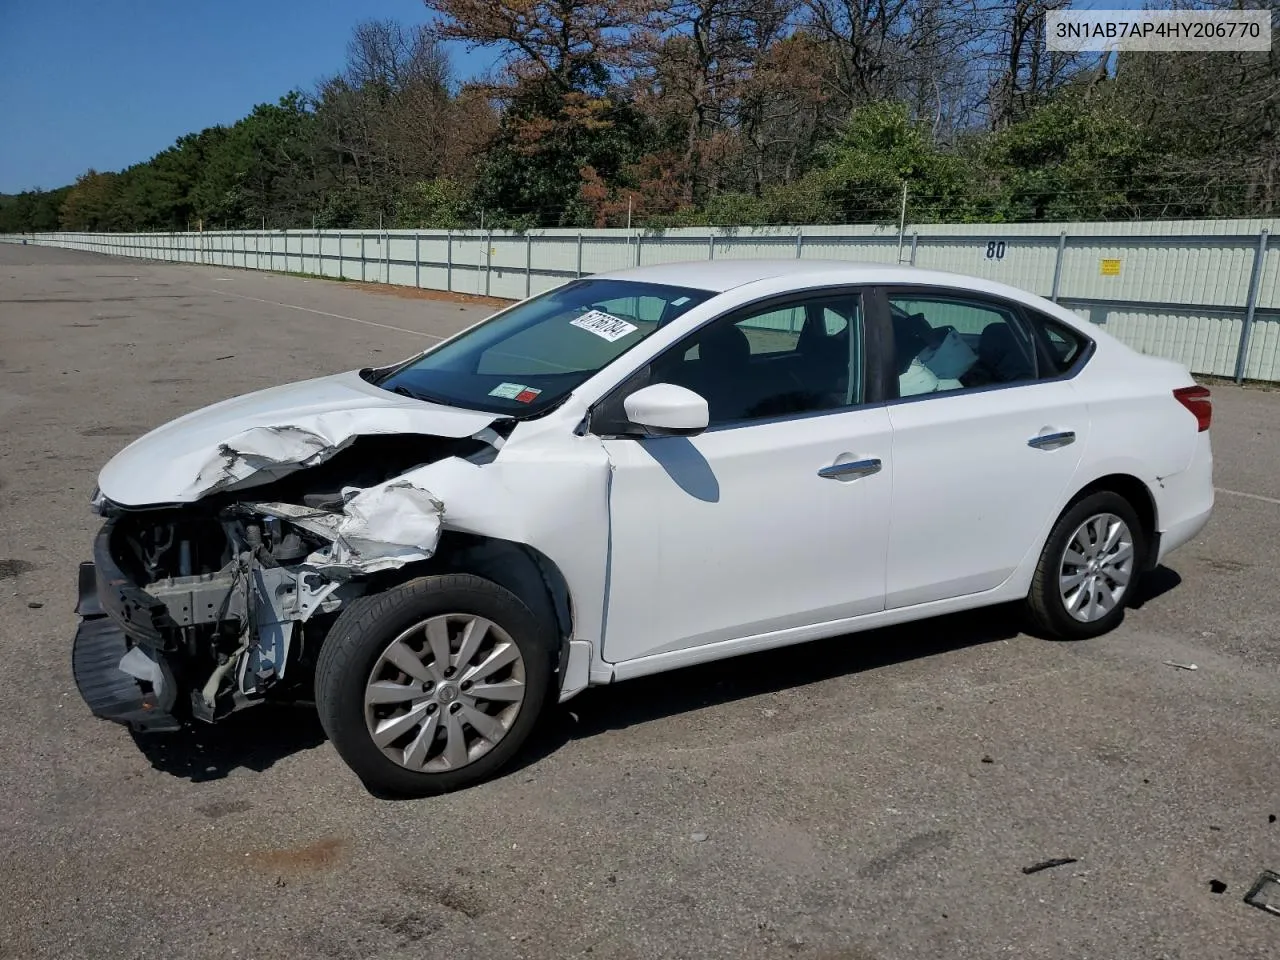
x: 107, y: 83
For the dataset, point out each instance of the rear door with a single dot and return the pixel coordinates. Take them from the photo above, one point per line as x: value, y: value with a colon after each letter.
x: 987, y: 435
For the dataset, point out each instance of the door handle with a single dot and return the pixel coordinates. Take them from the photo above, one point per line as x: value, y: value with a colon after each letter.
x: 850, y: 471
x: 1052, y: 441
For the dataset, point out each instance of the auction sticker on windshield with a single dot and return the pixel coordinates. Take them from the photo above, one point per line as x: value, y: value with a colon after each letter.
x: 509, y: 391
x: 604, y: 325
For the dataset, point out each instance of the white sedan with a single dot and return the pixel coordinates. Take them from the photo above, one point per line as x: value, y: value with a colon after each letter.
x: 631, y: 473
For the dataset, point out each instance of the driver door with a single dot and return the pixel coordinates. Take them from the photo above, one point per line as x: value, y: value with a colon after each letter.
x: 774, y: 518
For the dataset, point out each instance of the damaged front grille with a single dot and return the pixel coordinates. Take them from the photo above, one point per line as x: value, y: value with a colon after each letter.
x: 221, y: 596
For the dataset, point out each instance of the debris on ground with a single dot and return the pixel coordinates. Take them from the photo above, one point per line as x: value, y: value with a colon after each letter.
x: 698, y: 837
x: 986, y: 758
x: 1217, y: 886
x: 1050, y: 864
x: 34, y: 604
x: 1265, y: 893
x: 1181, y: 666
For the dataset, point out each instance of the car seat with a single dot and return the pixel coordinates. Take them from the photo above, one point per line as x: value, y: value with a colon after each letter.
x: 723, y: 372
x: 1003, y: 355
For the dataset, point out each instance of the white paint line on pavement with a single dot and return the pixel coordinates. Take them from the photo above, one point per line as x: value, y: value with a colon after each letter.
x: 1248, y: 496
x: 322, y: 313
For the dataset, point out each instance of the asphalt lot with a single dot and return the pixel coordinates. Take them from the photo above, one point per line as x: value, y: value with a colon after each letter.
x: 874, y: 796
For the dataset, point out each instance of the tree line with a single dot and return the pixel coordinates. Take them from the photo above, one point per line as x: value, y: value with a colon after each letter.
x: 727, y: 112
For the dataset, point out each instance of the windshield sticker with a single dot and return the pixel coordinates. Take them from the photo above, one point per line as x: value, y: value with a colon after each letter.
x: 604, y: 325
x: 527, y: 395
x: 510, y: 391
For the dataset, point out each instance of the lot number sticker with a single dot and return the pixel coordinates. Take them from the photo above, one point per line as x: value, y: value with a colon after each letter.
x: 507, y: 391
x: 1109, y: 268
x: 604, y: 325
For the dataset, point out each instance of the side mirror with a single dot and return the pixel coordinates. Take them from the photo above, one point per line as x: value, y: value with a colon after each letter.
x: 666, y: 410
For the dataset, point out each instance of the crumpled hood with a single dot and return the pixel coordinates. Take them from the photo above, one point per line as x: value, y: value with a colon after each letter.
x: 259, y: 437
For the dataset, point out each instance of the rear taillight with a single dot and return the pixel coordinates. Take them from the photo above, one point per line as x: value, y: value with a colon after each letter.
x: 1196, y: 399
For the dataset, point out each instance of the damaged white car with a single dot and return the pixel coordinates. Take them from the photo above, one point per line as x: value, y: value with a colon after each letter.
x: 629, y: 474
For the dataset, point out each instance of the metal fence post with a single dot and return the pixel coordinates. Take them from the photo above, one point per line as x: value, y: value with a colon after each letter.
x: 362, y: 258
x: 639, y: 240
x: 528, y: 264
x: 579, y: 253
x: 448, y: 262
x: 711, y: 247
x: 488, y: 259
x: 799, y: 244
x: 915, y: 242
x: 417, y: 260
x: 1057, y: 266
x: 1251, y: 304
x: 386, y: 253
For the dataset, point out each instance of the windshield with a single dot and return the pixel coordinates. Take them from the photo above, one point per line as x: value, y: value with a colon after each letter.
x: 529, y: 358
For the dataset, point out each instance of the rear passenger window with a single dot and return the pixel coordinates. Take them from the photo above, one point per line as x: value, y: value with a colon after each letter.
x: 953, y: 343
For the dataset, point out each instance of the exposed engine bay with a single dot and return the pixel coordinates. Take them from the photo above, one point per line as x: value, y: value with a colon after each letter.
x: 215, y: 605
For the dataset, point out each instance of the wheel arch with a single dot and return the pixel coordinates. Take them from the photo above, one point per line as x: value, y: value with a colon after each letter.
x: 523, y: 570
x: 1138, y: 495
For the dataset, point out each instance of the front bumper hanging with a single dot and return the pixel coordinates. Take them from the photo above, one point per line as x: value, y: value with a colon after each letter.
x: 100, y: 645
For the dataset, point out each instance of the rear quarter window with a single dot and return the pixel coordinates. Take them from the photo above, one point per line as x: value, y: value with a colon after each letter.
x: 1063, y: 345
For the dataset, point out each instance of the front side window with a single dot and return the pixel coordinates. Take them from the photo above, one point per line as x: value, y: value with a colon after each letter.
x: 802, y: 357
x: 527, y: 359
x: 944, y: 343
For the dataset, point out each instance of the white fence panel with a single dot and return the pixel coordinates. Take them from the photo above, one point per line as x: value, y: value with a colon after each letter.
x: 1179, y: 289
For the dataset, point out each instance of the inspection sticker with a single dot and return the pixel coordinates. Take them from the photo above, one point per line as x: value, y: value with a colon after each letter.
x: 604, y: 325
x: 527, y: 395
x: 510, y: 391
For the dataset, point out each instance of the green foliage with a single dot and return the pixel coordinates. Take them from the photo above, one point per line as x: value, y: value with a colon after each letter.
x: 93, y: 203
x: 262, y: 167
x: 31, y: 210
x: 1069, y: 159
x: 879, y: 150
x: 439, y: 204
x: 533, y: 172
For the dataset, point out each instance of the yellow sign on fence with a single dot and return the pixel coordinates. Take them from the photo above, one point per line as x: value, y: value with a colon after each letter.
x: 1110, y: 268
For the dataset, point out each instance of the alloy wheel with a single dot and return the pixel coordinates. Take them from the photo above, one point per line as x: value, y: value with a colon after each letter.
x: 444, y: 692
x: 1096, y: 567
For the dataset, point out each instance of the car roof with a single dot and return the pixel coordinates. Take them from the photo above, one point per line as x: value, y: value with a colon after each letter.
x: 719, y: 276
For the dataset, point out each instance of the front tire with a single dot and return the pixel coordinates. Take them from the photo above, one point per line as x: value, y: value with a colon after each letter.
x: 1088, y: 569
x: 433, y: 685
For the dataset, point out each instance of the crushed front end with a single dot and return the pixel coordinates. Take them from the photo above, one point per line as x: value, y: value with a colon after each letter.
x: 233, y: 537
x: 196, y: 612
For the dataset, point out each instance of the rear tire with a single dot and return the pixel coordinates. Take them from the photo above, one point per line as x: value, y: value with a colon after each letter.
x: 1089, y: 568
x: 433, y: 685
